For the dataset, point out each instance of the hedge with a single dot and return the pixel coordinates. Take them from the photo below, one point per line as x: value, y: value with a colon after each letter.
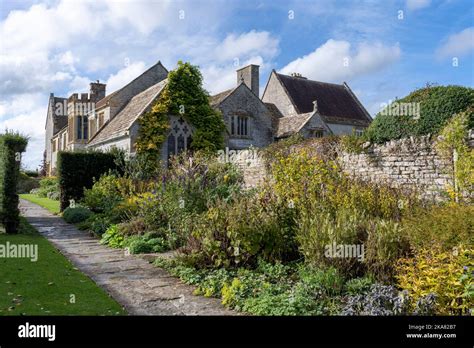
x: 77, y: 171
x: 437, y: 106
x: 11, y: 147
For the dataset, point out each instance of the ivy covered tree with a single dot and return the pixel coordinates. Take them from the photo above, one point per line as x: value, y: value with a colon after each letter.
x: 182, y: 96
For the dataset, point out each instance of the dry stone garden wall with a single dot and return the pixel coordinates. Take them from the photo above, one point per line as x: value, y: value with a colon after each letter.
x: 412, y: 163
x: 408, y: 163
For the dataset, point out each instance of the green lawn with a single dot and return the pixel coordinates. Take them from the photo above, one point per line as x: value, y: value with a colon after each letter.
x: 51, y: 205
x: 46, y: 287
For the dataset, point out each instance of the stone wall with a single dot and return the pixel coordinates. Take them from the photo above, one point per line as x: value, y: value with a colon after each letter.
x: 407, y: 163
x: 253, y: 168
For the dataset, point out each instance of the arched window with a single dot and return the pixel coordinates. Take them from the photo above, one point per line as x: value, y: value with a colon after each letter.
x: 171, y: 145
x: 180, y: 136
x: 181, y: 146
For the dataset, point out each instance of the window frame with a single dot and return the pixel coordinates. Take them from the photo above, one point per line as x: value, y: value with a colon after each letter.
x: 358, y: 132
x: 240, y: 126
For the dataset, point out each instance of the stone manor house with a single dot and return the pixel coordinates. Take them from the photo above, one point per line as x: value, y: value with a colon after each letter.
x: 289, y: 105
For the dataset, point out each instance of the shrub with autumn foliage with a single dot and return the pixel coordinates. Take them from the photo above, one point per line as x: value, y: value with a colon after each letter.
x: 446, y: 274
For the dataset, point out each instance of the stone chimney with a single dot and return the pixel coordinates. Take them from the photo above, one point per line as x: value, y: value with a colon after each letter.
x: 298, y: 75
x: 250, y: 76
x: 97, y: 91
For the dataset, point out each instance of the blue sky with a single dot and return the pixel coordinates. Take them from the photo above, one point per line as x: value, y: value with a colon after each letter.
x: 382, y: 49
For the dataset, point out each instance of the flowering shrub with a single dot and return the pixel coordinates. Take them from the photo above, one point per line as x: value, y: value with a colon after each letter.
x: 446, y: 226
x: 48, y: 185
x: 385, y: 244
x: 453, y: 139
x: 301, y: 177
x: 332, y: 209
x: 237, y: 233
x: 447, y: 274
x: 104, y: 194
x: 201, y: 180
x: 314, y: 182
x: 318, y: 230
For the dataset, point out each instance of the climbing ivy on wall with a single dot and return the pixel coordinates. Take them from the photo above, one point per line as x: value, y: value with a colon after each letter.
x: 182, y: 96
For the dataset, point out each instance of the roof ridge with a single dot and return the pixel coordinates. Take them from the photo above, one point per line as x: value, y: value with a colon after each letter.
x: 146, y: 90
x: 130, y: 82
x: 229, y: 93
x: 120, y: 113
x: 309, y: 80
x: 299, y: 116
x: 156, y: 94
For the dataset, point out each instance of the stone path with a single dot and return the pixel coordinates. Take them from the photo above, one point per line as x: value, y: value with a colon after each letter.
x: 140, y: 287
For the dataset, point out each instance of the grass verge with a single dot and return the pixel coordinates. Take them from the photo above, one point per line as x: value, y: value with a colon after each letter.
x: 50, y: 204
x: 49, y: 286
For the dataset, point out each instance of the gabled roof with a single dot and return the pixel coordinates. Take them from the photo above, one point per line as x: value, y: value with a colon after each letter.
x: 275, y: 114
x: 333, y: 100
x: 59, y: 121
x: 292, y: 124
x: 215, y: 100
x: 106, y: 99
x: 121, y: 123
x: 274, y: 111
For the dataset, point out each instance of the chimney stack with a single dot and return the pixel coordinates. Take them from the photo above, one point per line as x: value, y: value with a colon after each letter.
x: 298, y: 75
x: 250, y: 76
x: 97, y: 91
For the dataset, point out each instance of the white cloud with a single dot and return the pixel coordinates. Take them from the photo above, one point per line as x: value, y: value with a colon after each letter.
x: 60, y: 46
x: 234, y: 52
x: 79, y: 84
x: 67, y: 59
x: 335, y: 61
x: 247, y: 44
x: 144, y: 15
x: 219, y: 78
x: 29, y: 119
x: 42, y: 40
x: 417, y: 4
x: 457, y: 44
x: 44, y: 27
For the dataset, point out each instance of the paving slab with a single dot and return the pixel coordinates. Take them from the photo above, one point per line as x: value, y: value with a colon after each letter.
x: 140, y: 287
